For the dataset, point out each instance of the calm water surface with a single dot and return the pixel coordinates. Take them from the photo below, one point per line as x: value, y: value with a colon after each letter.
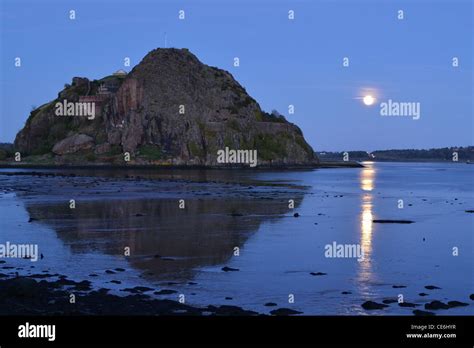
x: 185, y: 249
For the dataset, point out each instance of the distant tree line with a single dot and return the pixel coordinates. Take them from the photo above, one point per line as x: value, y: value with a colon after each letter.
x: 440, y: 154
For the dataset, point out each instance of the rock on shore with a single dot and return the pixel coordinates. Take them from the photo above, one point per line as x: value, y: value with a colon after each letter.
x: 26, y: 296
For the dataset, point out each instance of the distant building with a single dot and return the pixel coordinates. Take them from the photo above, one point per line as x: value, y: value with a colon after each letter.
x: 109, y: 86
x: 120, y: 73
x: 103, y: 90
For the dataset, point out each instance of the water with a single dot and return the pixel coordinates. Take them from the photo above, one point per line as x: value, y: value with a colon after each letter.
x: 249, y: 210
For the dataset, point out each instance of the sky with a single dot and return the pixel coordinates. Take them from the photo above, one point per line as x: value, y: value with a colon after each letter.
x: 282, y: 62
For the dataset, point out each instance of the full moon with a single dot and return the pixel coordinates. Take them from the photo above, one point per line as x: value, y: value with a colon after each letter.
x: 368, y: 100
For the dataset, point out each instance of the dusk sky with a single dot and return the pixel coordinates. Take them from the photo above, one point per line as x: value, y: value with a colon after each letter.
x: 282, y: 61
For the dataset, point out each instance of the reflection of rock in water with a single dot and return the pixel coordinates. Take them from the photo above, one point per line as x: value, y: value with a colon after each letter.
x: 204, y: 233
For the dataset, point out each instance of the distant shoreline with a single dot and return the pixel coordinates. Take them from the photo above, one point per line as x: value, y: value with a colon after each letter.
x: 446, y: 154
x: 328, y: 164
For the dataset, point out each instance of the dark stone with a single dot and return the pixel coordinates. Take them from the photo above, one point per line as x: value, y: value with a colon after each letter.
x: 229, y: 269
x: 137, y: 289
x: 453, y: 304
x: 393, y: 221
x: 388, y: 301
x: 45, y: 275
x: 284, y: 311
x: 370, y: 305
x: 431, y: 287
x: 318, y: 273
x: 423, y: 294
x: 408, y: 304
x: 435, y: 305
x: 83, y: 286
x: 296, y: 215
x: 66, y: 282
x: 270, y: 304
x: 398, y: 286
x: 22, y: 287
x: 165, y: 292
x: 227, y: 310
x: 143, y: 288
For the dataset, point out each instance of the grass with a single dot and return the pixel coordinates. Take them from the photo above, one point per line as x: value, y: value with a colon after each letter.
x: 263, y: 116
x: 270, y: 147
x: 150, y: 151
x: 196, y: 150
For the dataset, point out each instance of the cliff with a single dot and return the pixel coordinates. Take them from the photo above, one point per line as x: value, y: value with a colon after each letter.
x: 171, y: 109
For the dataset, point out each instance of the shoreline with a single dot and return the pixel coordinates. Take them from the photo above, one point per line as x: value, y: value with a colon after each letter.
x: 24, y: 295
x: 34, y: 295
x: 321, y: 165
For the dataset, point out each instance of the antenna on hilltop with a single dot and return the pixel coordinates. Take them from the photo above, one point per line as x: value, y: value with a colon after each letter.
x: 166, y: 40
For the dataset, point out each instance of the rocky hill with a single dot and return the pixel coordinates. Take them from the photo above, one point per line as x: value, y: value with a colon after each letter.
x: 171, y: 109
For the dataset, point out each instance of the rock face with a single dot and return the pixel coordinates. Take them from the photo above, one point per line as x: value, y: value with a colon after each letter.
x: 170, y: 109
x: 73, y: 144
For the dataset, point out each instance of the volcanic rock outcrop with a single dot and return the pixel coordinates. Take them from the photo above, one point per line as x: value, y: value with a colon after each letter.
x: 171, y: 109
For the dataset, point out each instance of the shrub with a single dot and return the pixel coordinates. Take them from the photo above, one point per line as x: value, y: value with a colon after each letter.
x: 150, y: 151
